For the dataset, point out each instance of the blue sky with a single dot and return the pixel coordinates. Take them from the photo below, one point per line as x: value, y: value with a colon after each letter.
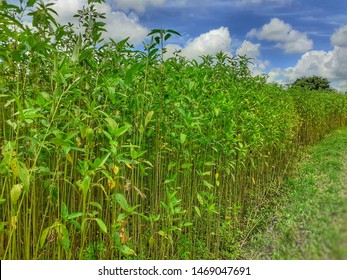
x: 287, y: 38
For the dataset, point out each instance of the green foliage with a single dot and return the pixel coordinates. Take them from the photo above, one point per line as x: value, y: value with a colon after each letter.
x: 312, y: 83
x: 106, y: 146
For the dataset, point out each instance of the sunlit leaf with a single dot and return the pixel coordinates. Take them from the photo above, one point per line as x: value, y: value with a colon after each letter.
x: 74, y: 215
x: 96, y: 204
x: 123, y: 202
x: 16, y: 191
x: 121, y: 216
x: 200, y: 199
x: 148, y: 117
x: 101, y: 224
x: 44, y: 236
x: 207, y: 184
x: 197, y: 210
x: 24, y: 175
x: 183, y: 138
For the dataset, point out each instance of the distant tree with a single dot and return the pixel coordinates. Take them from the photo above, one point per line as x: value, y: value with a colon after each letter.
x: 313, y: 83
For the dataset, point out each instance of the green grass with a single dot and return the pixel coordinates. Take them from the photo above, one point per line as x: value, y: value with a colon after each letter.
x: 309, y: 219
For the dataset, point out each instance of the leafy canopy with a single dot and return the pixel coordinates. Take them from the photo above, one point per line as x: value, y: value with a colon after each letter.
x: 313, y: 83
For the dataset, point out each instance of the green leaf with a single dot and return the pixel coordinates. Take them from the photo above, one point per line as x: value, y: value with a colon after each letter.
x: 107, y: 135
x: 16, y: 192
x: 187, y: 224
x: 112, y: 123
x: 148, y: 117
x: 130, y: 73
x: 123, y: 202
x: 200, y: 199
x: 197, y: 210
x: 64, y: 211
x: 173, y: 32
x: 84, y: 185
x: 171, y: 165
x: 186, y: 165
x: 155, y: 31
x: 76, y: 51
x: 2, y: 200
x: 101, y: 225
x: 2, y: 226
x: 116, y: 238
x: 183, y: 138
x: 64, y: 238
x: 121, y: 216
x: 75, y: 223
x: 120, y: 131
x: 127, y: 251
x: 44, y: 236
x: 152, y: 52
x: 24, y: 175
x: 74, y: 215
x: 191, y: 85
x: 167, y: 36
x: 207, y: 184
x: 96, y: 204
x: 89, y: 134
x: 100, y: 162
x: 172, y: 228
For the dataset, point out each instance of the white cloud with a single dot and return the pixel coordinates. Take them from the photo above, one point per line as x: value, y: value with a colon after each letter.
x: 252, y: 51
x: 66, y: 9
x: 339, y: 63
x: 171, y: 49
x: 118, y: 24
x: 139, y: 6
x: 249, y: 49
x: 339, y: 38
x: 208, y: 43
x: 312, y: 63
x: 342, y: 85
x: 328, y: 64
x: 288, y: 39
x: 275, y: 75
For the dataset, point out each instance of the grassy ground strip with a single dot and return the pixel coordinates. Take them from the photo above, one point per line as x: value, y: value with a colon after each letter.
x: 309, y: 219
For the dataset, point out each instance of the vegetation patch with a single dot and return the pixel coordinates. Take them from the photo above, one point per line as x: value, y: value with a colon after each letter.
x: 110, y: 152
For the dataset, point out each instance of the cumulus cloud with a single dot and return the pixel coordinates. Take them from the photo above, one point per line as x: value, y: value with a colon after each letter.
x: 119, y: 25
x: 288, y: 39
x: 312, y: 63
x: 66, y: 9
x: 211, y: 42
x: 339, y: 38
x: 339, y: 63
x: 329, y: 64
x: 208, y: 43
x: 249, y: 49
